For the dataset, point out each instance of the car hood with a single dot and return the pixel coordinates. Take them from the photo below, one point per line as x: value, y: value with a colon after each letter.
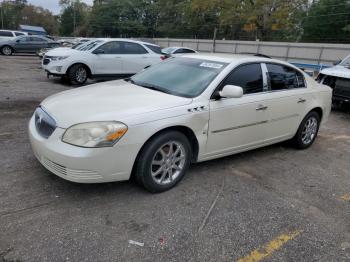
x: 337, y: 71
x: 114, y: 100
x: 62, y: 51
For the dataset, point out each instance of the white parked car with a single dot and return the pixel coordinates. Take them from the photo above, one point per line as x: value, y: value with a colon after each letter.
x: 101, y: 58
x: 187, y: 109
x: 175, y: 51
x: 6, y: 35
x: 338, y: 78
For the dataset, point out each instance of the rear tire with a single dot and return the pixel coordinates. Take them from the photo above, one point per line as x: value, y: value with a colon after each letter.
x: 307, y: 131
x: 163, y: 162
x: 77, y: 74
x: 7, y: 50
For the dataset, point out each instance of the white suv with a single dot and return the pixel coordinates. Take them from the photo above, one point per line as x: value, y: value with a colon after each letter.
x: 6, y: 35
x: 101, y: 58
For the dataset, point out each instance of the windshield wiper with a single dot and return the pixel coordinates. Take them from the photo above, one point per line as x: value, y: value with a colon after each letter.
x: 152, y: 87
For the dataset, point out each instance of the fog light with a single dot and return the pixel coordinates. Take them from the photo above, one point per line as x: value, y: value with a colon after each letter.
x: 58, y: 68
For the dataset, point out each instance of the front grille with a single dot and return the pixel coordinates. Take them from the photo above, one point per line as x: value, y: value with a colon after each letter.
x: 342, y: 87
x: 44, y: 123
x: 64, y: 171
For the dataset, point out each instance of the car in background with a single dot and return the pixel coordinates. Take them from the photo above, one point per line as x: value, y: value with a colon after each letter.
x: 101, y: 58
x: 175, y: 51
x: 6, y: 35
x: 186, y: 109
x: 26, y: 44
x: 338, y: 78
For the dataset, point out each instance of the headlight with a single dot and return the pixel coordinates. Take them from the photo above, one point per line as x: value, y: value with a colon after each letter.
x: 58, y: 58
x: 95, y: 134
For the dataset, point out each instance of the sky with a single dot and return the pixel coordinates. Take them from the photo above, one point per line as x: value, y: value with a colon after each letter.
x: 52, y: 5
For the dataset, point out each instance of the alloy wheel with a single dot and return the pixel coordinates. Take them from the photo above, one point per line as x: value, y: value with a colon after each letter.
x: 6, y: 50
x: 168, y: 163
x: 81, y: 75
x: 309, y: 130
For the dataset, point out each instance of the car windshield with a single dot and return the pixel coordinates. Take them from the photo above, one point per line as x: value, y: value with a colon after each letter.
x: 168, y: 50
x: 186, y: 77
x: 89, y: 45
x: 346, y: 62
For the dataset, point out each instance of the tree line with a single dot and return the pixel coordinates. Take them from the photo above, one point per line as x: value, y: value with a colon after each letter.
x: 264, y: 20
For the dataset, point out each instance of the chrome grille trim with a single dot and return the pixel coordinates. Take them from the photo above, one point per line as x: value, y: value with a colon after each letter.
x: 64, y: 171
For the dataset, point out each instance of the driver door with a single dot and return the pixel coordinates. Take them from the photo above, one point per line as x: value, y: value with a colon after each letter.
x: 23, y: 44
x: 107, y: 59
x: 237, y: 124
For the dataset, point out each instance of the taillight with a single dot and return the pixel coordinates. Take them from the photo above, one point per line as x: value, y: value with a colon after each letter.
x: 163, y: 57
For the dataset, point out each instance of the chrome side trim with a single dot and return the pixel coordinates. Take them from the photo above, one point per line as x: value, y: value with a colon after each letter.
x: 238, y: 127
x: 254, y: 124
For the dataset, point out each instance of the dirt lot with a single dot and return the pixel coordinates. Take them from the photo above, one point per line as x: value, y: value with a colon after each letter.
x: 275, y: 203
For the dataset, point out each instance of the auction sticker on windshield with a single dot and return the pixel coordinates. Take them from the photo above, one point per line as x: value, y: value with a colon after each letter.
x: 211, y: 65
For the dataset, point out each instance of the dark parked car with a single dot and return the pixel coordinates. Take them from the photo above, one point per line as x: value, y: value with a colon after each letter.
x: 26, y: 44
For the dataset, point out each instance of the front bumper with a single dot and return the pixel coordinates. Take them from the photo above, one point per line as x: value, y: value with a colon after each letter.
x: 56, y: 68
x: 82, y: 165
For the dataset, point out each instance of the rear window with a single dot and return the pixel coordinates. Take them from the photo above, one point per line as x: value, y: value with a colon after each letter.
x: 6, y: 33
x: 155, y: 49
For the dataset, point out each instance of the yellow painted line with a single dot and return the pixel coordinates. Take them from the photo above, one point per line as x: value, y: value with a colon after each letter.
x: 267, y: 250
x: 345, y: 197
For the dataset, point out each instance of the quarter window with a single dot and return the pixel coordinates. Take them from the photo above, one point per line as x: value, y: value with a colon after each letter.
x: 249, y: 77
x: 283, y: 77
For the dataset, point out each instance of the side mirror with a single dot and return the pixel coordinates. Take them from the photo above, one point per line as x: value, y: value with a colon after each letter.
x: 337, y: 62
x: 98, y: 52
x: 230, y: 91
x: 17, y: 41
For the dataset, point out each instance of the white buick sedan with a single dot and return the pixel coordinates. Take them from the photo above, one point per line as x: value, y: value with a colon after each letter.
x: 188, y: 109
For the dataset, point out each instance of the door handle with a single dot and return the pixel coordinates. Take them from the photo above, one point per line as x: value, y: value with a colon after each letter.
x: 261, y: 108
x: 301, y: 100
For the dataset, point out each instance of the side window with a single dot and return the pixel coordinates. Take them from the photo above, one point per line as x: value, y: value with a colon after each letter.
x: 37, y: 39
x: 187, y: 51
x: 133, y: 49
x: 179, y: 51
x: 112, y: 48
x: 24, y: 39
x: 283, y: 77
x: 18, y: 34
x: 6, y: 33
x: 249, y: 77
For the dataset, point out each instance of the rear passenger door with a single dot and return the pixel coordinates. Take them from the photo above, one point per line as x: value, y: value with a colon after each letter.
x: 37, y: 43
x: 107, y: 59
x: 287, y: 103
x: 134, y: 58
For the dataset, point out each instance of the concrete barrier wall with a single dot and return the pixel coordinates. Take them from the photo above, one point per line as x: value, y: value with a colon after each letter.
x: 293, y: 52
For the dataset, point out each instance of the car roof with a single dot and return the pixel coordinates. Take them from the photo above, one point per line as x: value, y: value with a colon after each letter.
x: 126, y: 40
x: 231, y: 58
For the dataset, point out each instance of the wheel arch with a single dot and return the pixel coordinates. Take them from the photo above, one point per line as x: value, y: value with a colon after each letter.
x: 83, y: 64
x: 188, y: 132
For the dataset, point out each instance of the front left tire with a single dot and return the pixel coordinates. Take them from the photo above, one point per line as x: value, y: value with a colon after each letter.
x: 78, y: 74
x: 6, y: 50
x: 163, y: 161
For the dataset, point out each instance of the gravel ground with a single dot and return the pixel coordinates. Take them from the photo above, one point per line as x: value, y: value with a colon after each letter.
x: 285, y: 204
